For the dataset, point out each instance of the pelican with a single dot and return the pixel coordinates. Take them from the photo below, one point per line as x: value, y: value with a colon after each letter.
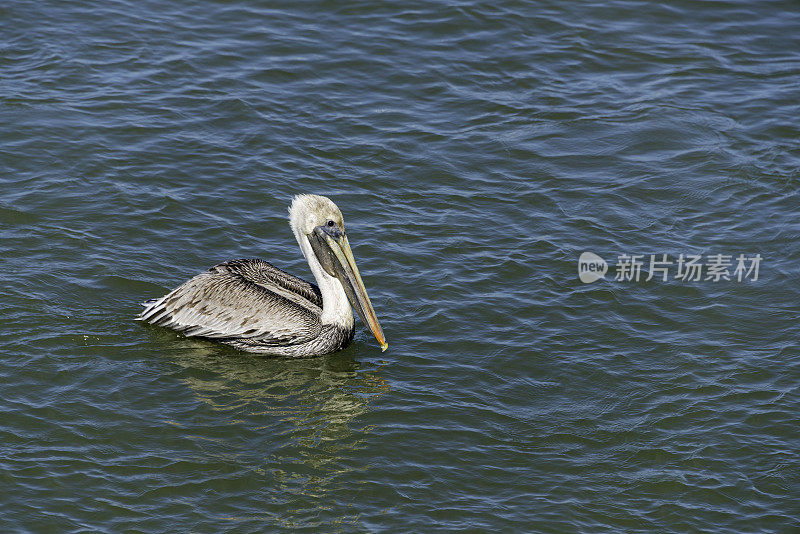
x: 254, y: 306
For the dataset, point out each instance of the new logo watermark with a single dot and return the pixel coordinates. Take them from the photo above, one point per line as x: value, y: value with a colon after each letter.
x: 686, y: 268
x: 591, y: 267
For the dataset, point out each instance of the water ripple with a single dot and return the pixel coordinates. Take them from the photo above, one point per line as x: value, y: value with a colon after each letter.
x: 476, y: 150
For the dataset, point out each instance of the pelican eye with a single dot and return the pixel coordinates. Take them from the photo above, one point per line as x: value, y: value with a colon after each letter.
x: 330, y: 223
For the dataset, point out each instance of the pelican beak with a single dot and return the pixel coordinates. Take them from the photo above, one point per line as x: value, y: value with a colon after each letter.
x: 340, y: 261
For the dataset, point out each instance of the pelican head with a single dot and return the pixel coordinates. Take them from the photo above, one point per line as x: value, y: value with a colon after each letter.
x: 317, y: 223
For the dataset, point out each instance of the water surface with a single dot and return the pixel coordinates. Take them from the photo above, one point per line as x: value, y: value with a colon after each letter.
x: 476, y: 150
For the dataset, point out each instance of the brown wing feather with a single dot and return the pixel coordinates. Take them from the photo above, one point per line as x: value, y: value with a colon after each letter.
x: 241, y: 299
x: 264, y: 273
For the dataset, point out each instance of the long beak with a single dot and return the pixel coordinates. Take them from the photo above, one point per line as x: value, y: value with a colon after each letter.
x: 348, y: 274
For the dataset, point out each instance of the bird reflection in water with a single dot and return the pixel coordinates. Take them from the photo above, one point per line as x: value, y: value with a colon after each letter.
x: 291, y: 421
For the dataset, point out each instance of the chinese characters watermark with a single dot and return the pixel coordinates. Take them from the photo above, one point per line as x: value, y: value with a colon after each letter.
x: 686, y: 267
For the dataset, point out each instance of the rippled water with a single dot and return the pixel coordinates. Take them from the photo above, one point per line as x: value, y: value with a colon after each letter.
x: 476, y: 151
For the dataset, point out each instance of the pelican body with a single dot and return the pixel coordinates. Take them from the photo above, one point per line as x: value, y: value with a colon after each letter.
x: 254, y: 306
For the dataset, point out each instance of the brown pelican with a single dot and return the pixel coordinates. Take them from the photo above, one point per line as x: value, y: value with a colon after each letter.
x: 256, y: 307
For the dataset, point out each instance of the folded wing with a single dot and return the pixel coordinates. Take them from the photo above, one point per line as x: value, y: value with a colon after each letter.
x: 241, y: 299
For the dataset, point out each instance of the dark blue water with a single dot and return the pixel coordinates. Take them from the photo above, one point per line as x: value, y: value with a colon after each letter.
x: 476, y: 151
